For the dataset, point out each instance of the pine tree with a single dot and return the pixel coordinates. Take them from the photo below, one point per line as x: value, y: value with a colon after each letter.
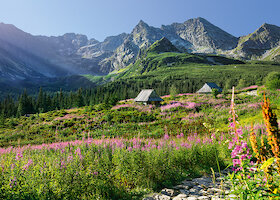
x: 40, y: 101
x: 79, y: 98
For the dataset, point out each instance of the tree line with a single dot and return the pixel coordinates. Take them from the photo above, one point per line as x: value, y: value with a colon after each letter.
x: 108, y: 94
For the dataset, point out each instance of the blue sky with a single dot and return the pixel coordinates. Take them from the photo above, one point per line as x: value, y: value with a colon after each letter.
x: 101, y: 18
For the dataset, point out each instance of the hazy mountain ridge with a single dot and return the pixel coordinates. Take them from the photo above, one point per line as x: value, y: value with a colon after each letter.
x: 70, y: 53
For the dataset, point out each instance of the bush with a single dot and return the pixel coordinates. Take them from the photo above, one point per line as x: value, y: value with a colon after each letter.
x: 272, y: 80
x: 215, y: 92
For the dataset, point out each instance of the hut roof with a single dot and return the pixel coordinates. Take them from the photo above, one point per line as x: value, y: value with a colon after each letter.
x: 148, y: 95
x: 207, y: 88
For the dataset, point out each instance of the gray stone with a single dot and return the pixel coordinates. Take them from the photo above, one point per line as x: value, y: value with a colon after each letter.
x: 169, y: 192
x: 214, y: 191
x: 198, y: 187
x: 178, y: 187
x: 161, y: 197
x: 193, y: 190
x: 181, y: 197
x: 203, y: 192
x: 192, y: 198
x: 204, y: 181
x: 184, y: 192
x: 158, y: 197
x: 203, y: 198
x: 188, y: 183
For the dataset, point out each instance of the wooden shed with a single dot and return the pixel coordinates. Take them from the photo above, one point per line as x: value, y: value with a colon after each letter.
x: 208, y: 87
x: 148, y: 96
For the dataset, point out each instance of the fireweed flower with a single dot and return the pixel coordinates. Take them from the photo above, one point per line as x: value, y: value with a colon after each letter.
x: 25, y: 167
x: 240, y: 148
x: 70, y: 158
x: 19, y: 156
x: 62, y: 165
x: 230, y: 145
x: 166, y: 137
x: 13, y: 182
x: 78, y: 152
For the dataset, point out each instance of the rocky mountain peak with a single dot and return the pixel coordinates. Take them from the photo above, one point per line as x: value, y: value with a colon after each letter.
x: 144, y: 35
x: 140, y: 27
x: 78, y: 40
x: 254, y: 45
x: 141, y: 23
x: 93, y: 41
x: 197, y: 20
x: 203, y: 36
x: 269, y: 28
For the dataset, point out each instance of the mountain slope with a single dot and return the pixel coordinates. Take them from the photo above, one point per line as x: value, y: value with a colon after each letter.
x: 164, y: 55
x: 254, y: 45
x: 272, y: 55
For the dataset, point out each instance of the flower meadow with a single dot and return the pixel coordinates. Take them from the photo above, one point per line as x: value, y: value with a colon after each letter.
x: 105, y: 168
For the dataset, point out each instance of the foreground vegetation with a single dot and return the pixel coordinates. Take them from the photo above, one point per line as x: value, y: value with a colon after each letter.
x: 105, y: 168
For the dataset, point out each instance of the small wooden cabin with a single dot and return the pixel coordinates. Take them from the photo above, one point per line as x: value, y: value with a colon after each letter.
x: 208, y: 87
x: 148, y: 96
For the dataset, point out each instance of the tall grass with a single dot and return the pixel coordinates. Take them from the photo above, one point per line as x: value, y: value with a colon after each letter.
x: 104, y: 169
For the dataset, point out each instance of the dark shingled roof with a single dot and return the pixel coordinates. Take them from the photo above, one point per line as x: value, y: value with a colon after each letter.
x: 207, y: 88
x: 148, y: 95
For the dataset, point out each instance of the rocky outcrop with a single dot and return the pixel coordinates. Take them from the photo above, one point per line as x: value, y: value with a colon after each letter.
x: 203, y: 188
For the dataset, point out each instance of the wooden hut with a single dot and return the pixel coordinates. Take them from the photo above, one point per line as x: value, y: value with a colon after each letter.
x: 208, y: 87
x: 148, y: 96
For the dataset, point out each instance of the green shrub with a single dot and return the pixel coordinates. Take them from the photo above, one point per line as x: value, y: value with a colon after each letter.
x: 272, y: 80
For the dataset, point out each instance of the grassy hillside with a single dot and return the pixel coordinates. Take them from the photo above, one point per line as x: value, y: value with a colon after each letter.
x: 184, y: 113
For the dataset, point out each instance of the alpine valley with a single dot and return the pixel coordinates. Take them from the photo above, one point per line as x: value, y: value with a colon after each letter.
x: 186, y: 111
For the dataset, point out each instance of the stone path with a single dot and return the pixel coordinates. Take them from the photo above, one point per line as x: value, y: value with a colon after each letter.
x: 203, y: 188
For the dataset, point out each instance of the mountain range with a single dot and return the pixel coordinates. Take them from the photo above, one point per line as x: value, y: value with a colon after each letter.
x: 25, y: 56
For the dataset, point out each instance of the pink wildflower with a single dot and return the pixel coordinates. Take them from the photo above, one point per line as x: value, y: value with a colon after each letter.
x: 19, y: 156
x: 166, y: 136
